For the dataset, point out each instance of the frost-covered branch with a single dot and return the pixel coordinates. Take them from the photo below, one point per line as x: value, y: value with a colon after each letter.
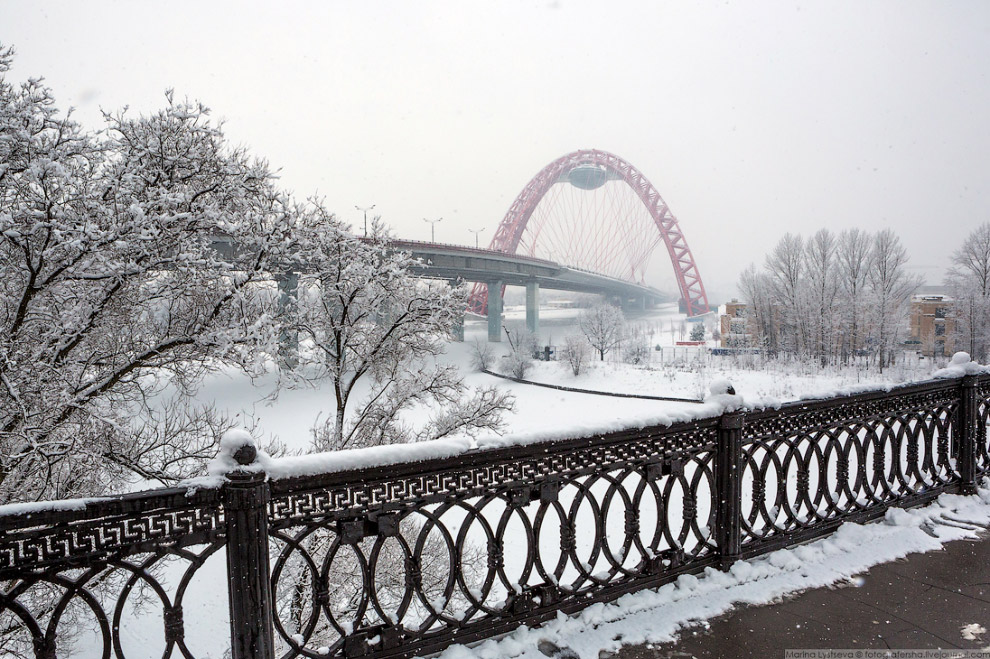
x: 110, y: 281
x: 365, y: 323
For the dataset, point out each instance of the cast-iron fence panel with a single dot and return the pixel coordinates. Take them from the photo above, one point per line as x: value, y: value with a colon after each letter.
x: 808, y: 466
x: 70, y: 578
x: 406, y: 559
x: 393, y: 561
x: 983, y: 420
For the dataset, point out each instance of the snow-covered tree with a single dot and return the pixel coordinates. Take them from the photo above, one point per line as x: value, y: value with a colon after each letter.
x: 891, y: 288
x: 785, y: 271
x: 969, y: 284
x: 603, y: 326
x: 823, y: 287
x: 829, y: 298
x: 697, y: 332
x: 363, y: 319
x: 760, y: 311
x: 853, y: 260
x: 109, y: 285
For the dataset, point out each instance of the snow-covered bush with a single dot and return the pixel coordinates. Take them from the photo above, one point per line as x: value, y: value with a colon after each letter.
x: 636, y: 353
x: 482, y: 355
x: 519, y: 358
x: 575, y: 353
x: 522, y: 347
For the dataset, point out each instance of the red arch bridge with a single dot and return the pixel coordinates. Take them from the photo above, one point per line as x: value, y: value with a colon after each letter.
x: 590, y: 210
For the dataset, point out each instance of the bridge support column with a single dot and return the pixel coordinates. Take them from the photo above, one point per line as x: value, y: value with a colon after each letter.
x: 641, y: 302
x: 533, y: 306
x: 495, y: 311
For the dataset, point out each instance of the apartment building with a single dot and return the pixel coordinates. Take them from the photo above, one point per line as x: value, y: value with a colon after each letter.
x: 734, y: 326
x: 932, y: 330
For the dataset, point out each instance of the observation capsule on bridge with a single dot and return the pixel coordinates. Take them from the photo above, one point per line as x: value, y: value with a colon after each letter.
x: 587, y: 177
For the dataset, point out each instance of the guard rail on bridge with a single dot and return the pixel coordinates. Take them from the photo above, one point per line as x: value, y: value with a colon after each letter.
x: 407, y: 559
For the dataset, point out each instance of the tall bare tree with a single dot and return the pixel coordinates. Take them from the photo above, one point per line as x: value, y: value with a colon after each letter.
x: 823, y: 288
x: 891, y: 288
x: 367, y: 325
x: 603, y: 325
x: 755, y: 289
x: 785, y: 271
x: 854, y: 258
x: 969, y: 283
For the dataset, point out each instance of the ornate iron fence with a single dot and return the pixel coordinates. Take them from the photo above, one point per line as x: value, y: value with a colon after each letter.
x: 407, y: 559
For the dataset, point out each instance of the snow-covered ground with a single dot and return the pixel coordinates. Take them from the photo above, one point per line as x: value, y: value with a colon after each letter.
x: 291, y: 416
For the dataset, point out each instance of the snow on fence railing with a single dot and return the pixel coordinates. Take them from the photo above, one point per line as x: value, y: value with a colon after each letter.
x: 393, y: 560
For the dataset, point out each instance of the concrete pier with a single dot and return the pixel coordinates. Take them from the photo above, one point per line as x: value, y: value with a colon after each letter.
x: 533, y: 306
x: 495, y: 311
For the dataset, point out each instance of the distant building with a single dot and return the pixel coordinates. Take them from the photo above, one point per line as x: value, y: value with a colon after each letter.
x: 735, y: 329
x: 932, y: 328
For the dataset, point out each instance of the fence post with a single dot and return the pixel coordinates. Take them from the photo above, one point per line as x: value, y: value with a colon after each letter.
x: 966, y: 429
x: 245, y: 501
x: 728, y: 488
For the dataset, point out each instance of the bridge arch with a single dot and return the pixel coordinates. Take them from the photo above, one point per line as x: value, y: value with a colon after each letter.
x: 588, y: 169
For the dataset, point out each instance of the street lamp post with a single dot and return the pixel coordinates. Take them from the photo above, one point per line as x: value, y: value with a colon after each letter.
x: 433, y: 224
x: 476, y: 232
x: 365, y: 209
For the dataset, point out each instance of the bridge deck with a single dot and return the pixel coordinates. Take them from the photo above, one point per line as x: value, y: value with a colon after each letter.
x: 443, y: 261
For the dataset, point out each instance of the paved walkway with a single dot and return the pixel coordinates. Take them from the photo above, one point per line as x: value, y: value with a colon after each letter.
x: 934, y: 600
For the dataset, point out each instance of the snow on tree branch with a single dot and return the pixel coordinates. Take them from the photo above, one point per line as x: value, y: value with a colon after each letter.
x: 110, y: 275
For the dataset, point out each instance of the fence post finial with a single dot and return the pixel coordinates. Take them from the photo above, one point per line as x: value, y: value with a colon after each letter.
x: 245, y: 503
x: 728, y: 480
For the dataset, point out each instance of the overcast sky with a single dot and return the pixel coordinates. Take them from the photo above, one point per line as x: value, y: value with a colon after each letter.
x: 751, y: 118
